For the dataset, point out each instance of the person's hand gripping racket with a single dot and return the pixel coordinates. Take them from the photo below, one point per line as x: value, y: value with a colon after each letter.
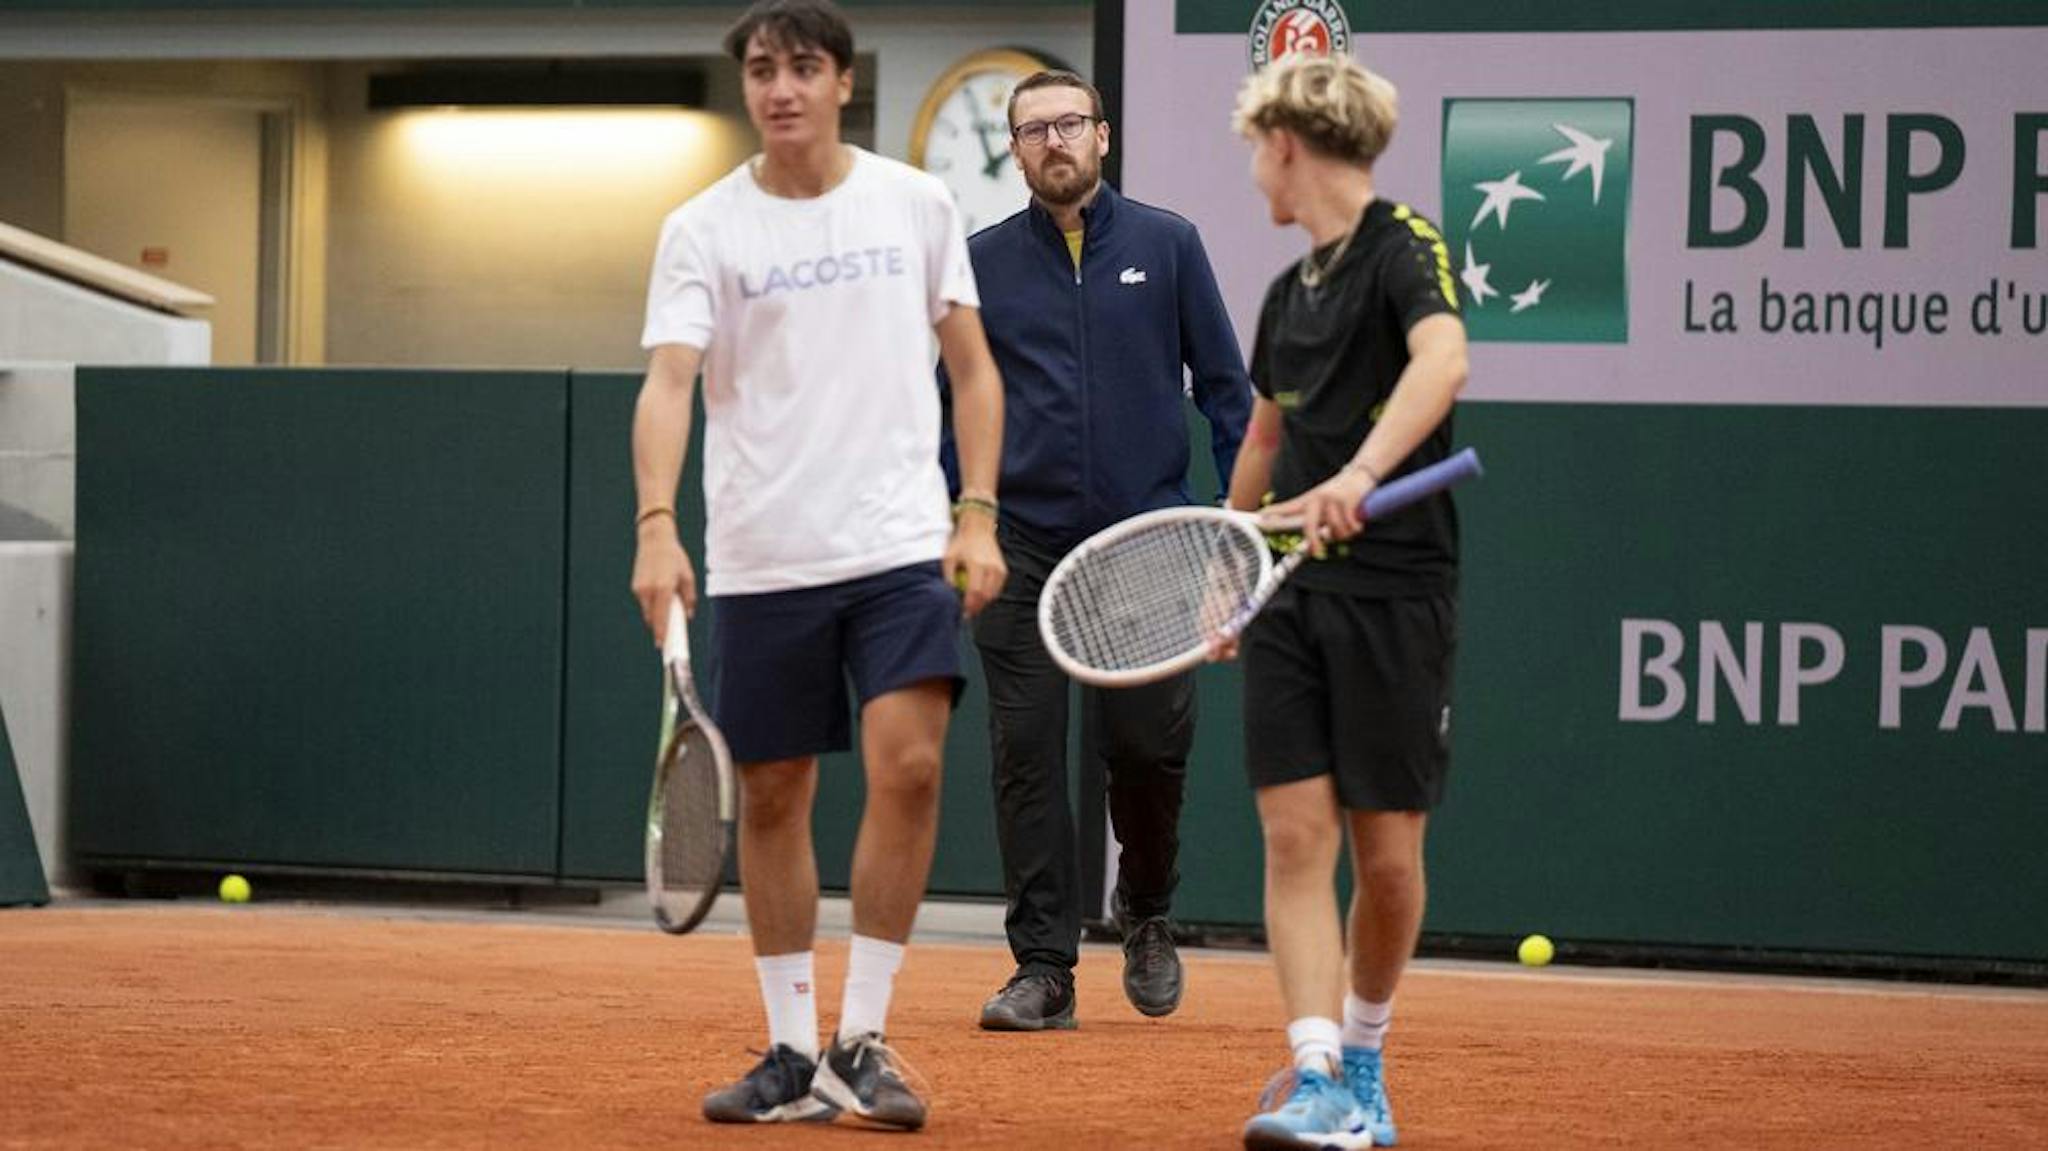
x: 1331, y: 512
x: 973, y: 563
x: 662, y: 572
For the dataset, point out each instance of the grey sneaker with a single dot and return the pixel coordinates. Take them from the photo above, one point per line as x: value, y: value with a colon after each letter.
x: 861, y: 1076
x: 777, y: 1090
x: 1030, y: 1002
x: 1152, y: 972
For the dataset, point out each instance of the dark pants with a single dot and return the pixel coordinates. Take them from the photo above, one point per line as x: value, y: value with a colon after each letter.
x: 1143, y: 736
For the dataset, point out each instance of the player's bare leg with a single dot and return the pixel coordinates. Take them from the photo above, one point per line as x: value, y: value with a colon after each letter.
x: 778, y: 867
x: 1387, y: 904
x: 1386, y: 920
x: 903, y: 735
x: 1310, y: 1105
x: 779, y: 879
x: 1304, y: 831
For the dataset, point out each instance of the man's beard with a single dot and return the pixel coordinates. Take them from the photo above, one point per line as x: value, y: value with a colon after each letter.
x: 1069, y: 184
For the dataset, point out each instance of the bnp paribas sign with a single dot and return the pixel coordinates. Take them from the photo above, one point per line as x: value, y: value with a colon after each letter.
x: 1536, y: 210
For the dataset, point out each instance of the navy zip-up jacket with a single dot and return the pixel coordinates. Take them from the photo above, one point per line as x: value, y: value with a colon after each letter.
x: 1094, y: 417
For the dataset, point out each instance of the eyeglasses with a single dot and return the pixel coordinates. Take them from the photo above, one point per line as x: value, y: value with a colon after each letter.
x: 1032, y: 133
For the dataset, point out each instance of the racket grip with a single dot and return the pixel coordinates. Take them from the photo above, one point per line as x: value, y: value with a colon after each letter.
x: 675, y: 638
x: 1422, y: 484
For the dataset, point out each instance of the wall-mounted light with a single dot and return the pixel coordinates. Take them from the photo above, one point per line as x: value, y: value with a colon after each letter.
x: 541, y: 84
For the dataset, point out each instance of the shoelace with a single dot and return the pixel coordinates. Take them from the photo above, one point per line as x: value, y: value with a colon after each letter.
x: 891, y: 1060
x: 1036, y: 978
x: 1150, y: 943
x: 1309, y: 1090
x: 1375, y: 1100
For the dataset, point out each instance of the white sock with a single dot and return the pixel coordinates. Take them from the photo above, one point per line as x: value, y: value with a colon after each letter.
x: 1365, y: 1024
x: 871, y: 966
x: 788, y: 989
x: 1316, y: 1041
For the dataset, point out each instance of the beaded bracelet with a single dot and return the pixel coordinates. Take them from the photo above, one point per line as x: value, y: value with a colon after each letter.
x: 974, y: 504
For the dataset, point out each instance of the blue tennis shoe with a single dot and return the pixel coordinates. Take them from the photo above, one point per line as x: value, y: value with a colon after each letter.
x: 1317, y: 1113
x: 1367, y: 1080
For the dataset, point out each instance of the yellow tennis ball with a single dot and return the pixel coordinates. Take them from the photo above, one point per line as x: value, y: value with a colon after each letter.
x: 1536, y: 950
x: 234, y: 889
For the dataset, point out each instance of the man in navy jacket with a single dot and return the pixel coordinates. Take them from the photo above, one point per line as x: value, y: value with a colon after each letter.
x: 1094, y: 304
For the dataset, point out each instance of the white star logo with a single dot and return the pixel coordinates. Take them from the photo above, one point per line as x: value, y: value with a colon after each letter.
x: 1474, y: 276
x: 1529, y: 297
x: 1585, y: 153
x: 1500, y: 194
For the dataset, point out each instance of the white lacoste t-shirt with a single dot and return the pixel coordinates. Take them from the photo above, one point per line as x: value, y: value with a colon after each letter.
x: 821, y: 444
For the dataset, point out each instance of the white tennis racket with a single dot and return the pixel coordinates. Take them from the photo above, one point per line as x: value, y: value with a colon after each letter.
x: 1145, y: 599
x: 691, y: 810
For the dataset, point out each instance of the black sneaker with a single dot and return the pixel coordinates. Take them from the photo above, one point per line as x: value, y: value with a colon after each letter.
x: 1152, y: 975
x: 777, y: 1090
x: 860, y: 1076
x: 1034, y: 1002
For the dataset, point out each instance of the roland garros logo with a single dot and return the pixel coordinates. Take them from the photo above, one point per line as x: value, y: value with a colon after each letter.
x: 1286, y: 28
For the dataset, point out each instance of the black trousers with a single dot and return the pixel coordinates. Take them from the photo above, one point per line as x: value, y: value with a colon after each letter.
x: 1143, y: 736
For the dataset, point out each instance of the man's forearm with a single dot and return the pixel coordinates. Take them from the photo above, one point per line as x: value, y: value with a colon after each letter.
x: 978, y: 430
x: 1252, y: 477
x: 1422, y: 397
x: 661, y: 437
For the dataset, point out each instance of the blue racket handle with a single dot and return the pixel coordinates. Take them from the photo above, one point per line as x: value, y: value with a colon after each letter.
x: 1422, y: 484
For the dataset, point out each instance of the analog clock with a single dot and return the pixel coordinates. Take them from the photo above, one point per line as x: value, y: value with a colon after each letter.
x: 962, y: 134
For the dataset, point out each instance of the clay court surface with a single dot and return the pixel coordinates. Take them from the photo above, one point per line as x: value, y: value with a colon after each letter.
x: 190, y: 1026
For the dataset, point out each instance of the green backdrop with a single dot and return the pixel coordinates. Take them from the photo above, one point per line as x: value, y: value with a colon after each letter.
x: 1832, y: 834
x: 319, y: 618
x: 380, y: 621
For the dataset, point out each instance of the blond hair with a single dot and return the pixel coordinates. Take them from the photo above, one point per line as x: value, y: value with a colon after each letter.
x: 1332, y: 103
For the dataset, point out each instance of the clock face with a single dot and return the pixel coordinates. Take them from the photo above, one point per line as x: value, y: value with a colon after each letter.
x: 963, y: 136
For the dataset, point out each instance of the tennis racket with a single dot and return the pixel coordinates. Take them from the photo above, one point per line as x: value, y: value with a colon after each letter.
x: 690, y: 814
x: 1146, y: 598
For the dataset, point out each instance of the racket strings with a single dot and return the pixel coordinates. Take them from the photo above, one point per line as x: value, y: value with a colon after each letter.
x: 1155, y: 594
x: 692, y: 850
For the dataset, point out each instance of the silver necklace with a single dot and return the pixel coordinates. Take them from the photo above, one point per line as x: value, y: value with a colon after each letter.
x: 1312, y: 274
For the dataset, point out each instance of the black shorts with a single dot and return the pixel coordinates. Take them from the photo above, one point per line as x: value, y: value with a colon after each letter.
x: 1357, y: 688
x: 785, y: 658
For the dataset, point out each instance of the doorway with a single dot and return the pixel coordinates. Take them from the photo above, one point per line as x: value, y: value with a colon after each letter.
x: 196, y: 191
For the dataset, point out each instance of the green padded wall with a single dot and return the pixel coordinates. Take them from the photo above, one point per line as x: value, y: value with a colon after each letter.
x: 380, y: 621
x: 319, y: 618
x: 1822, y: 831
x: 612, y: 710
x: 1830, y: 832
x: 21, y: 868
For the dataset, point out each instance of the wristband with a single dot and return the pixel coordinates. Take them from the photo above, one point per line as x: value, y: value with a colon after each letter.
x: 974, y: 504
x: 652, y: 512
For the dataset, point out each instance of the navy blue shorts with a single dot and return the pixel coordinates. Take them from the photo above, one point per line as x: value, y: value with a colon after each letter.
x: 784, y: 659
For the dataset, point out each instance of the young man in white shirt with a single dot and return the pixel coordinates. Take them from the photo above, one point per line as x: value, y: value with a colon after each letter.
x: 807, y: 286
